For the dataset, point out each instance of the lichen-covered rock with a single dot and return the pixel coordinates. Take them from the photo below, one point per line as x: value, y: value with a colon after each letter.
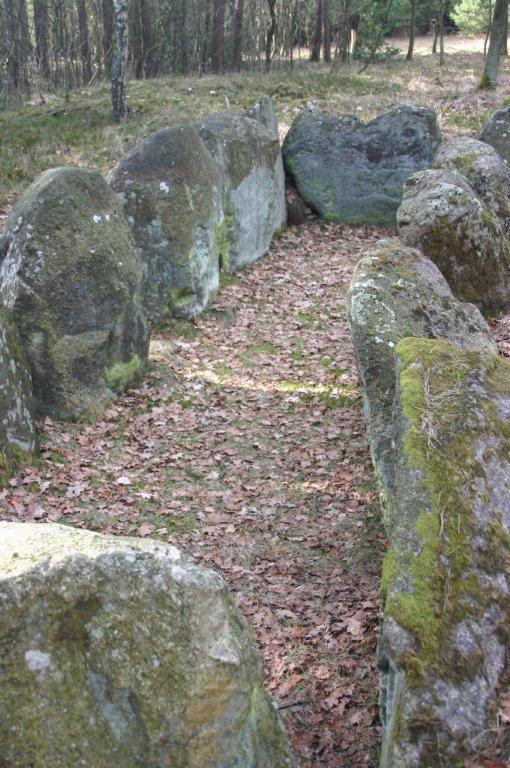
x: 73, y: 282
x: 18, y: 440
x: 396, y: 292
x: 122, y: 652
x: 496, y: 132
x: 458, y: 215
x: 264, y: 111
x: 446, y: 591
x: 170, y: 187
x: 253, y: 183
x: 351, y: 171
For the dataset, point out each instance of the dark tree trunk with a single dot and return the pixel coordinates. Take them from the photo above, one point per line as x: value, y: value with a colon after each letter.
x: 150, y: 66
x: 83, y: 26
x: 412, y: 31
x: 41, y: 27
x: 326, y: 31
x: 490, y: 75
x: 315, y: 48
x: 238, y: 35
x: 119, y: 63
x: 206, y: 49
x: 20, y: 48
x: 107, y: 33
x: 184, y: 36
x: 344, y: 34
x: 218, y: 47
x: 271, y: 4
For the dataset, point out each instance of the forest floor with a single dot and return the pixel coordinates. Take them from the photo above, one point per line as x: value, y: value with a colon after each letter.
x: 55, y: 129
x: 245, y: 446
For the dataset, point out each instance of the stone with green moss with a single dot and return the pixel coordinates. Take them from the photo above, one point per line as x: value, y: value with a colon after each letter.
x: 446, y: 579
x: 72, y: 279
x: 496, y: 132
x: 122, y: 652
x: 253, y: 184
x: 351, y: 171
x: 397, y: 292
x: 458, y: 214
x: 18, y: 440
x: 171, y: 191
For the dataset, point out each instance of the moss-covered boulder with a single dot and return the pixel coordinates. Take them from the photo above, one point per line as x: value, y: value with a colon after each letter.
x: 170, y: 187
x: 18, y: 440
x: 73, y: 282
x: 253, y: 184
x: 396, y: 292
x: 264, y: 111
x: 458, y: 214
x: 122, y: 652
x: 496, y: 132
x: 351, y: 171
x: 445, y: 644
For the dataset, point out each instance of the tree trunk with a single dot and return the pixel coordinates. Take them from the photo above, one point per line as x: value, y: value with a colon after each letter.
x: 315, y: 48
x: 41, y: 27
x: 107, y: 33
x: 504, y: 50
x: 207, y: 36
x: 150, y: 66
x: 83, y: 26
x: 238, y: 35
x: 184, y: 36
x: 120, y: 58
x: 18, y: 38
x: 344, y: 35
x: 326, y: 31
x: 218, y: 47
x: 490, y: 75
x: 412, y: 31
x: 435, y: 34
x: 441, y: 32
x: 270, y: 32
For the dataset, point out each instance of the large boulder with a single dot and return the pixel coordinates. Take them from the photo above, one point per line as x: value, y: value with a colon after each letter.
x: 18, y: 440
x: 170, y: 187
x: 351, y: 171
x: 122, y: 652
x: 444, y: 644
x: 253, y: 182
x: 397, y: 292
x: 496, y: 132
x: 458, y: 215
x: 73, y: 282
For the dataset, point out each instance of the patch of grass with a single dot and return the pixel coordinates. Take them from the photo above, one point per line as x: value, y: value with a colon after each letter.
x: 265, y: 348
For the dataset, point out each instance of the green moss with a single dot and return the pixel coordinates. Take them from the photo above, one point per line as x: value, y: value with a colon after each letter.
x: 11, y: 464
x: 179, y: 298
x: 120, y: 375
x: 487, y: 218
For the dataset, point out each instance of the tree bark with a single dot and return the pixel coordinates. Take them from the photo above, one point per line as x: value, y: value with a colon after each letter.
x: 120, y: 58
x: 218, y: 47
x: 344, y: 35
x: 83, y: 26
x: 238, y: 35
x: 150, y: 65
x: 315, y: 48
x: 270, y: 32
x: 412, y: 31
x: 504, y: 50
x: 490, y: 75
x: 41, y: 27
x: 326, y: 31
x: 20, y: 48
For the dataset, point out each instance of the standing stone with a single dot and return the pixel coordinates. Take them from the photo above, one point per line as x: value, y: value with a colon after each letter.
x: 253, y: 182
x: 354, y: 172
x: 170, y: 187
x: 264, y: 111
x: 496, y: 132
x: 396, y: 292
x: 73, y: 282
x: 18, y: 439
x: 446, y: 576
x: 122, y: 652
x: 458, y: 215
